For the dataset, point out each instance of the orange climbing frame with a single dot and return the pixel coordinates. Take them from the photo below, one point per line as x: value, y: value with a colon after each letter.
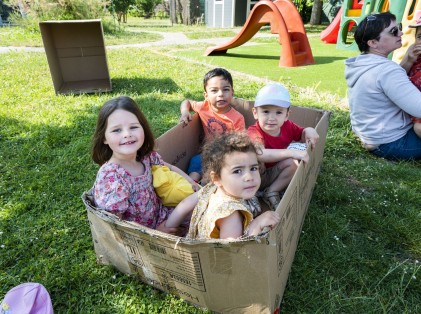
x: 284, y: 19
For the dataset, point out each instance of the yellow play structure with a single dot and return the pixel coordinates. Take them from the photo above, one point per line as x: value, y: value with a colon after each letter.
x: 410, y: 15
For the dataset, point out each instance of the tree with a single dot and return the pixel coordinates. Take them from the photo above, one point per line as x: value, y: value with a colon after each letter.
x: 147, y: 6
x: 316, y: 12
x: 121, y: 7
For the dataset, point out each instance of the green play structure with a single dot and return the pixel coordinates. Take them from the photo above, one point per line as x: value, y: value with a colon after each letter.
x: 354, y: 11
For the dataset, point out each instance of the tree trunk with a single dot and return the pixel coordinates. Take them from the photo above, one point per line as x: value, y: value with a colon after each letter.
x: 316, y: 12
x: 173, y: 12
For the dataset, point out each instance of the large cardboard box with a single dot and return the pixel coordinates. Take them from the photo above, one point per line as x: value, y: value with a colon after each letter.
x: 76, y: 56
x: 245, y: 276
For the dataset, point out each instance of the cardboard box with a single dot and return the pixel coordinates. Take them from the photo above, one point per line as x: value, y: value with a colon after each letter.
x: 76, y: 56
x: 245, y: 276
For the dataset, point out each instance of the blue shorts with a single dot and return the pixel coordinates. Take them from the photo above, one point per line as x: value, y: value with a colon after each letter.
x: 405, y: 148
x: 195, y: 164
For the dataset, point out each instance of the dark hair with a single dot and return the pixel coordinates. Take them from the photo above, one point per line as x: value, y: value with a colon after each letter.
x: 371, y: 27
x: 215, y: 149
x: 217, y: 72
x: 101, y: 152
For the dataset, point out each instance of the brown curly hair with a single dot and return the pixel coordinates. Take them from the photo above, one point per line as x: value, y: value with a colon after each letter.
x: 217, y: 148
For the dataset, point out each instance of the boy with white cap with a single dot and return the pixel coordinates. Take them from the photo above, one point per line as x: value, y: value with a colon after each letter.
x: 275, y: 132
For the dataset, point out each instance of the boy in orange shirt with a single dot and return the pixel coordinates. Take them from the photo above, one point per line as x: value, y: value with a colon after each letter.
x: 215, y: 112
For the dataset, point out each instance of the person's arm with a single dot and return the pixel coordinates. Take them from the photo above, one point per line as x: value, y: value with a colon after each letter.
x: 411, y: 55
x: 275, y: 155
x: 230, y: 227
x: 310, y: 137
x: 181, y: 211
x: 267, y: 219
x: 400, y: 90
x: 185, y: 108
x: 194, y: 185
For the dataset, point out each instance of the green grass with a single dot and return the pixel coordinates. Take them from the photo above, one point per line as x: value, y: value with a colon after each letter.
x: 262, y: 60
x: 360, y: 247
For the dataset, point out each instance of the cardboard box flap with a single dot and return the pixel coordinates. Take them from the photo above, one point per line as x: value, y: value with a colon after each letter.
x: 179, y: 144
x: 75, y: 33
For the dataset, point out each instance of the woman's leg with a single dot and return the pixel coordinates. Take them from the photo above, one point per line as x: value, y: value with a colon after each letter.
x: 405, y: 148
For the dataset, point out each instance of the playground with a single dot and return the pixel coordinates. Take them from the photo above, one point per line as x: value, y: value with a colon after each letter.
x: 359, y: 251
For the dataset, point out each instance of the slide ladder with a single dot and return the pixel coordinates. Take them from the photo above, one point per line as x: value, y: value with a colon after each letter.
x: 284, y: 19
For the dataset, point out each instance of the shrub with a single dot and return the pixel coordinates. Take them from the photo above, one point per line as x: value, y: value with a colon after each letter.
x: 147, y: 6
x: 30, y: 12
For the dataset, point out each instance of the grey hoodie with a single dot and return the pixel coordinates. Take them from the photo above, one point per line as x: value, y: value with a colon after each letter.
x: 380, y: 98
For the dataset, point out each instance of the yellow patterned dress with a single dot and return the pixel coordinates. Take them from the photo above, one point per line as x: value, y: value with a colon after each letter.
x: 210, y: 208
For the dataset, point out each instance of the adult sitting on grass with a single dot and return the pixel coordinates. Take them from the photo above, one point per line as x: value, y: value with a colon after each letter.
x: 381, y: 97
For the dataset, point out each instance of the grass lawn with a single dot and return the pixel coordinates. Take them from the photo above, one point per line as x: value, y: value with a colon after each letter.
x: 360, y: 247
x: 262, y: 58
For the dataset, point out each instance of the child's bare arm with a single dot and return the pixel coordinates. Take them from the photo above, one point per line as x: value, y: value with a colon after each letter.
x: 267, y: 219
x: 185, y: 108
x: 230, y: 227
x: 181, y: 211
x: 310, y: 137
x: 276, y: 155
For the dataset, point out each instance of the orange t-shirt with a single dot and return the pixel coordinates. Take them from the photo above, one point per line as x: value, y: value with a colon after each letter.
x: 215, y: 123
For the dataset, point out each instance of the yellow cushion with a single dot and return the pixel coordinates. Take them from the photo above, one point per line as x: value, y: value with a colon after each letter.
x: 171, y: 187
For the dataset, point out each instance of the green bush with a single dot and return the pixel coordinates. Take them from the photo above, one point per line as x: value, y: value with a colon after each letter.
x: 33, y: 11
x: 147, y: 6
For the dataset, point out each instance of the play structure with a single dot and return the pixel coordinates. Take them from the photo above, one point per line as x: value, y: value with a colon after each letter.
x: 284, y: 19
x: 330, y: 34
x: 411, y: 13
x: 353, y: 12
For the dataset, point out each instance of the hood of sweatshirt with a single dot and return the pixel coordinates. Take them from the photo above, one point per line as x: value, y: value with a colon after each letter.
x: 357, y: 66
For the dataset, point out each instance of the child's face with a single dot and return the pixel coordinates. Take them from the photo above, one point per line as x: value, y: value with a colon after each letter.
x: 124, y: 134
x: 219, y: 93
x: 418, y: 36
x: 271, y: 118
x: 239, y: 176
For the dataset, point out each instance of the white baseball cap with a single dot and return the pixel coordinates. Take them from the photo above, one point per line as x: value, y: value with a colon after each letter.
x: 274, y: 94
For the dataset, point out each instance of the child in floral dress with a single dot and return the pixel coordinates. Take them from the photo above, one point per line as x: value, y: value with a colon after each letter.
x: 123, y: 145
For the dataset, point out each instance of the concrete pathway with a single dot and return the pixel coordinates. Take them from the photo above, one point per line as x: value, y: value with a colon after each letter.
x: 169, y: 38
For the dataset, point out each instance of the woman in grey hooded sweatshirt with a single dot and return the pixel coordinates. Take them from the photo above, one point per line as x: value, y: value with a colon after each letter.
x: 381, y: 96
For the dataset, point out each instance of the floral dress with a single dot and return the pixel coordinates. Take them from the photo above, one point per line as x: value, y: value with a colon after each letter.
x: 210, y: 208
x: 117, y: 191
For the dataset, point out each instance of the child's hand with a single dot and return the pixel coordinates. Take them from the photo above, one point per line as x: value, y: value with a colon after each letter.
x: 311, y: 137
x: 413, y: 52
x: 301, y: 155
x: 185, y: 118
x: 267, y: 219
x: 195, y: 186
x: 174, y: 231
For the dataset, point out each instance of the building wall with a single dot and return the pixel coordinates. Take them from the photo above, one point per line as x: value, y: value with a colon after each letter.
x: 225, y: 13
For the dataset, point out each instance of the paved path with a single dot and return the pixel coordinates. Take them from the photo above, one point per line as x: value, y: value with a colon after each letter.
x: 169, y: 38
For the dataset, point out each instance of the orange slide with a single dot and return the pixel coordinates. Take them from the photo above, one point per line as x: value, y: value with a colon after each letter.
x: 330, y: 34
x: 284, y: 19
